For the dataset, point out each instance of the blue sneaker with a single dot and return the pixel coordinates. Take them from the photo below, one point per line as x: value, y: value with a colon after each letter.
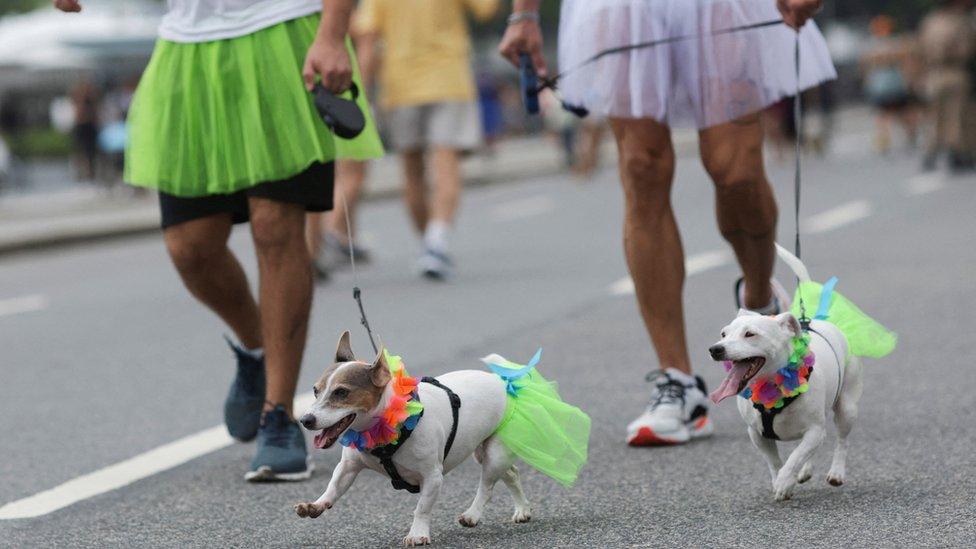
x: 281, y: 450
x: 242, y: 409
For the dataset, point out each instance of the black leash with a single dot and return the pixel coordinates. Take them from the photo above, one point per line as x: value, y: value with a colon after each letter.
x: 532, y: 85
x: 797, y: 187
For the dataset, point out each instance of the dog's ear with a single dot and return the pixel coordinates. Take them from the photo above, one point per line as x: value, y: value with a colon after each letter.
x: 379, y: 372
x: 747, y: 312
x: 789, y: 323
x: 344, y: 349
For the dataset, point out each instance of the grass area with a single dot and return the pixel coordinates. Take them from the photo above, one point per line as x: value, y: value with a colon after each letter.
x: 40, y: 143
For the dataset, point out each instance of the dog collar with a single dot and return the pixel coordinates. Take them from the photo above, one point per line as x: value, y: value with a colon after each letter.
x: 789, y: 382
x: 401, y: 415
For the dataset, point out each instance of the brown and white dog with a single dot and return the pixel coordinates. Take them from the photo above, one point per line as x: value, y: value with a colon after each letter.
x: 353, y: 394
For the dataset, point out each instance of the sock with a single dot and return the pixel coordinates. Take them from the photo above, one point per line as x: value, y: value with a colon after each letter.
x: 256, y: 354
x: 684, y: 378
x: 435, y: 236
x: 771, y: 309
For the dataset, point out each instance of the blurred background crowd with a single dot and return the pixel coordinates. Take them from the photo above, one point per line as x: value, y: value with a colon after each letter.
x: 66, y: 82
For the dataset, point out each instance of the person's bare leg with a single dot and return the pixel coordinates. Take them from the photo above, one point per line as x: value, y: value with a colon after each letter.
x: 315, y: 223
x: 198, y: 249
x: 285, y: 293
x: 350, y: 176
x: 415, y: 188
x: 651, y: 240
x: 445, y: 164
x: 745, y: 205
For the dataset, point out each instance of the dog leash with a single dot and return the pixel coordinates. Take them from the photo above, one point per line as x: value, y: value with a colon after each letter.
x: 532, y: 85
x: 357, y: 293
x: 797, y: 185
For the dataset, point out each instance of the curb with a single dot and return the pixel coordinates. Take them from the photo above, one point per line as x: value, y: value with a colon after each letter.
x: 140, y: 217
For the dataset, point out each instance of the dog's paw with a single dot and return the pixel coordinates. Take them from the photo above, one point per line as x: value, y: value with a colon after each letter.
x: 416, y: 541
x: 310, y: 510
x: 805, y: 473
x: 522, y: 515
x: 468, y: 521
x: 835, y: 478
x: 783, y: 489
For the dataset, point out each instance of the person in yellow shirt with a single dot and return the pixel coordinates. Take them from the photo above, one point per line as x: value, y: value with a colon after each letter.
x: 428, y: 93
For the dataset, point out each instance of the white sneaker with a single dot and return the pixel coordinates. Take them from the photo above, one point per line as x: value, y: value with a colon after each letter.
x: 781, y: 299
x: 435, y: 265
x: 677, y: 413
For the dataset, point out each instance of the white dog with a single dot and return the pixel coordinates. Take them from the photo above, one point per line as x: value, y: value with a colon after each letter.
x: 754, y: 348
x: 462, y: 412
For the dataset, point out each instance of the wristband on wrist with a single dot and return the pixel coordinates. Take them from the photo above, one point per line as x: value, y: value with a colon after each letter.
x: 519, y: 16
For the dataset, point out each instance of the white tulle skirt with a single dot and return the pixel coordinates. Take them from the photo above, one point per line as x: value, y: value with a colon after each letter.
x: 700, y: 82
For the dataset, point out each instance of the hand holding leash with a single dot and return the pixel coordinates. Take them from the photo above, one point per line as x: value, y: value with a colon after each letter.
x: 67, y: 5
x: 523, y: 36
x: 796, y: 13
x: 329, y: 60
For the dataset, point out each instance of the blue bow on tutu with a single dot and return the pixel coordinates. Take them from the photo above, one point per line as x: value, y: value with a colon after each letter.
x: 510, y: 371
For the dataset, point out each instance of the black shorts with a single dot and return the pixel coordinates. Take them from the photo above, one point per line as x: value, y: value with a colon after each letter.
x: 311, y: 188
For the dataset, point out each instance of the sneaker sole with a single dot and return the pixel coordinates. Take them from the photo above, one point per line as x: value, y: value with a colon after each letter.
x: 645, y: 436
x: 266, y: 474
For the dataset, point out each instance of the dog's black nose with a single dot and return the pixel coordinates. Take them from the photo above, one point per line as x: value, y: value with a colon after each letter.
x: 308, y: 421
x: 717, y: 351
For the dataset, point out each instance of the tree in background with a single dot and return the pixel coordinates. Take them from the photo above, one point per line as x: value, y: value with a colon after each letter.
x: 19, y: 6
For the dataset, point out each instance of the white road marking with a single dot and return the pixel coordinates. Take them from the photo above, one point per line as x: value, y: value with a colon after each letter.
x: 25, y: 304
x: 835, y: 218
x: 695, y: 264
x: 523, y: 208
x: 925, y: 184
x: 127, y: 471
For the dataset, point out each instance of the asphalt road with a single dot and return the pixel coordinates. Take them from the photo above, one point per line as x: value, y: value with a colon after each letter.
x: 103, y: 357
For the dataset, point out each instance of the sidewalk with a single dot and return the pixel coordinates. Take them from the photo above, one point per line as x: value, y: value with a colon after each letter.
x: 84, y: 213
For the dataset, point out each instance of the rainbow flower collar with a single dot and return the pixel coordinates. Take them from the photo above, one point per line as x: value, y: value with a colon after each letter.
x: 790, y: 380
x: 403, y: 411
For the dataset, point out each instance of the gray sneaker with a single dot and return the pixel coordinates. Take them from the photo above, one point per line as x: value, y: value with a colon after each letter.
x: 242, y: 408
x: 281, y: 451
x: 435, y: 265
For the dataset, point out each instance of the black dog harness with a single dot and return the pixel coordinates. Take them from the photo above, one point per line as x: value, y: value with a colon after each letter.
x: 767, y: 415
x: 385, y: 453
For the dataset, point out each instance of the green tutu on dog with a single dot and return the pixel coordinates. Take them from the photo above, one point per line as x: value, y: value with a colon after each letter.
x: 222, y: 116
x: 542, y: 430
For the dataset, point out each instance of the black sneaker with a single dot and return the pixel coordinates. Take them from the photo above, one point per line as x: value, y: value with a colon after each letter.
x: 281, y: 451
x: 242, y: 408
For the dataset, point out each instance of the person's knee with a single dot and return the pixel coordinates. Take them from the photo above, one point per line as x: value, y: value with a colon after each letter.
x: 277, y: 227
x: 738, y: 168
x: 193, y: 254
x: 647, y: 179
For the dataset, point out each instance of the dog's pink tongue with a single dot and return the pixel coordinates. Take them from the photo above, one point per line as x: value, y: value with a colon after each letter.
x: 730, y: 386
x: 321, y: 440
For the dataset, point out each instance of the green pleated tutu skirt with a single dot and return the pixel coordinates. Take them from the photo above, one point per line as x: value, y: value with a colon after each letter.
x: 539, y: 427
x: 218, y: 117
x: 865, y: 336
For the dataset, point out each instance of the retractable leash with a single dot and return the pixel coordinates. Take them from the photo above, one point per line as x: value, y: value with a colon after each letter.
x: 532, y: 85
x: 347, y: 121
x: 797, y: 152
